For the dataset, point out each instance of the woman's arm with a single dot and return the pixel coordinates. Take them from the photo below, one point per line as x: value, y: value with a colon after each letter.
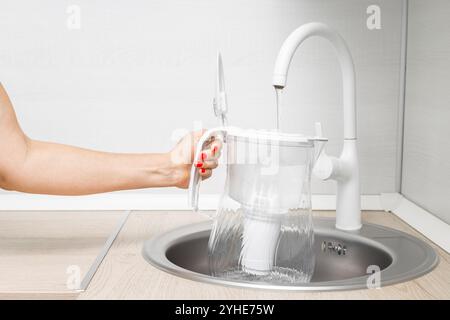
x: 41, y: 167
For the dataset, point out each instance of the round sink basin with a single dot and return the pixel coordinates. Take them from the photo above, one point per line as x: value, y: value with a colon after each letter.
x: 344, y: 260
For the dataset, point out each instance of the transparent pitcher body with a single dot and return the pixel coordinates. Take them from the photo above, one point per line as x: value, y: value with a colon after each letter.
x: 263, y: 229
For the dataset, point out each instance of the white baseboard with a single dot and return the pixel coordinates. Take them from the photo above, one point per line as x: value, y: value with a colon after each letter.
x: 141, y: 201
x: 420, y: 219
x: 432, y: 227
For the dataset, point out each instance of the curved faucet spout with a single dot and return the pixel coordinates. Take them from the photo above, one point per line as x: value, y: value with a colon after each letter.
x: 345, y: 169
x: 286, y: 54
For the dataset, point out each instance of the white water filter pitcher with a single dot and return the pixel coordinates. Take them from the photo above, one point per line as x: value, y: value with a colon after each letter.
x: 265, y: 209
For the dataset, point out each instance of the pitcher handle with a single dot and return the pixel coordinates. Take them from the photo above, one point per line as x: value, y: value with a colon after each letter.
x: 194, y: 180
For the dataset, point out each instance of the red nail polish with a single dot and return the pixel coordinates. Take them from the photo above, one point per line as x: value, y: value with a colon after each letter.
x: 203, y: 170
x: 199, y: 164
x: 203, y: 156
x: 214, y: 150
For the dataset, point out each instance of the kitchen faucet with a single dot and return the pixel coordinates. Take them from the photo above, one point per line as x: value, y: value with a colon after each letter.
x: 345, y: 169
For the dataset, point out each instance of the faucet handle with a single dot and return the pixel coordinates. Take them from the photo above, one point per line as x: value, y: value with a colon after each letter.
x: 318, y: 129
x: 325, y: 165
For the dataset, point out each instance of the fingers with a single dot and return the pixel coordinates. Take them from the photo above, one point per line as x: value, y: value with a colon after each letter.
x: 211, y: 164
x: 205, y: 173
x: 216, y: 148
x: 208, y: 159
x: 212, y: 153
x: 208, y: 164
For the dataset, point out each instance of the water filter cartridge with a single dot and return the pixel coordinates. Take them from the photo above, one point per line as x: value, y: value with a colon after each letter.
x: 259, y: 244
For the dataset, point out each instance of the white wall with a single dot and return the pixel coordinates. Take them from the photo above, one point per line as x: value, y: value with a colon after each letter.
x: 139, y: 69
x: 426, y: 160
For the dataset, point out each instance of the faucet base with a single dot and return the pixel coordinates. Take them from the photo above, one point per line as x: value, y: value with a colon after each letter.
x: 348, y: 198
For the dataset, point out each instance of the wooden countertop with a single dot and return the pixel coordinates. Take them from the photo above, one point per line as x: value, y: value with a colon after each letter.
x: 124, y: 274
x: 41, y: 250
x: 37, y: 252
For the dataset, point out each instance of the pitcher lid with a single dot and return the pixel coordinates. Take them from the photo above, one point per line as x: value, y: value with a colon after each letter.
x: 272, y: 137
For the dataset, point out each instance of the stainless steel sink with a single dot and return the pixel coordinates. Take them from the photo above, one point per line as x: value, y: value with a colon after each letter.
x: 344, y: 260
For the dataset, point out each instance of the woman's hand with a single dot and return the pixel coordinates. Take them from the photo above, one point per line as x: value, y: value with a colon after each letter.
x: 182, y: 156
